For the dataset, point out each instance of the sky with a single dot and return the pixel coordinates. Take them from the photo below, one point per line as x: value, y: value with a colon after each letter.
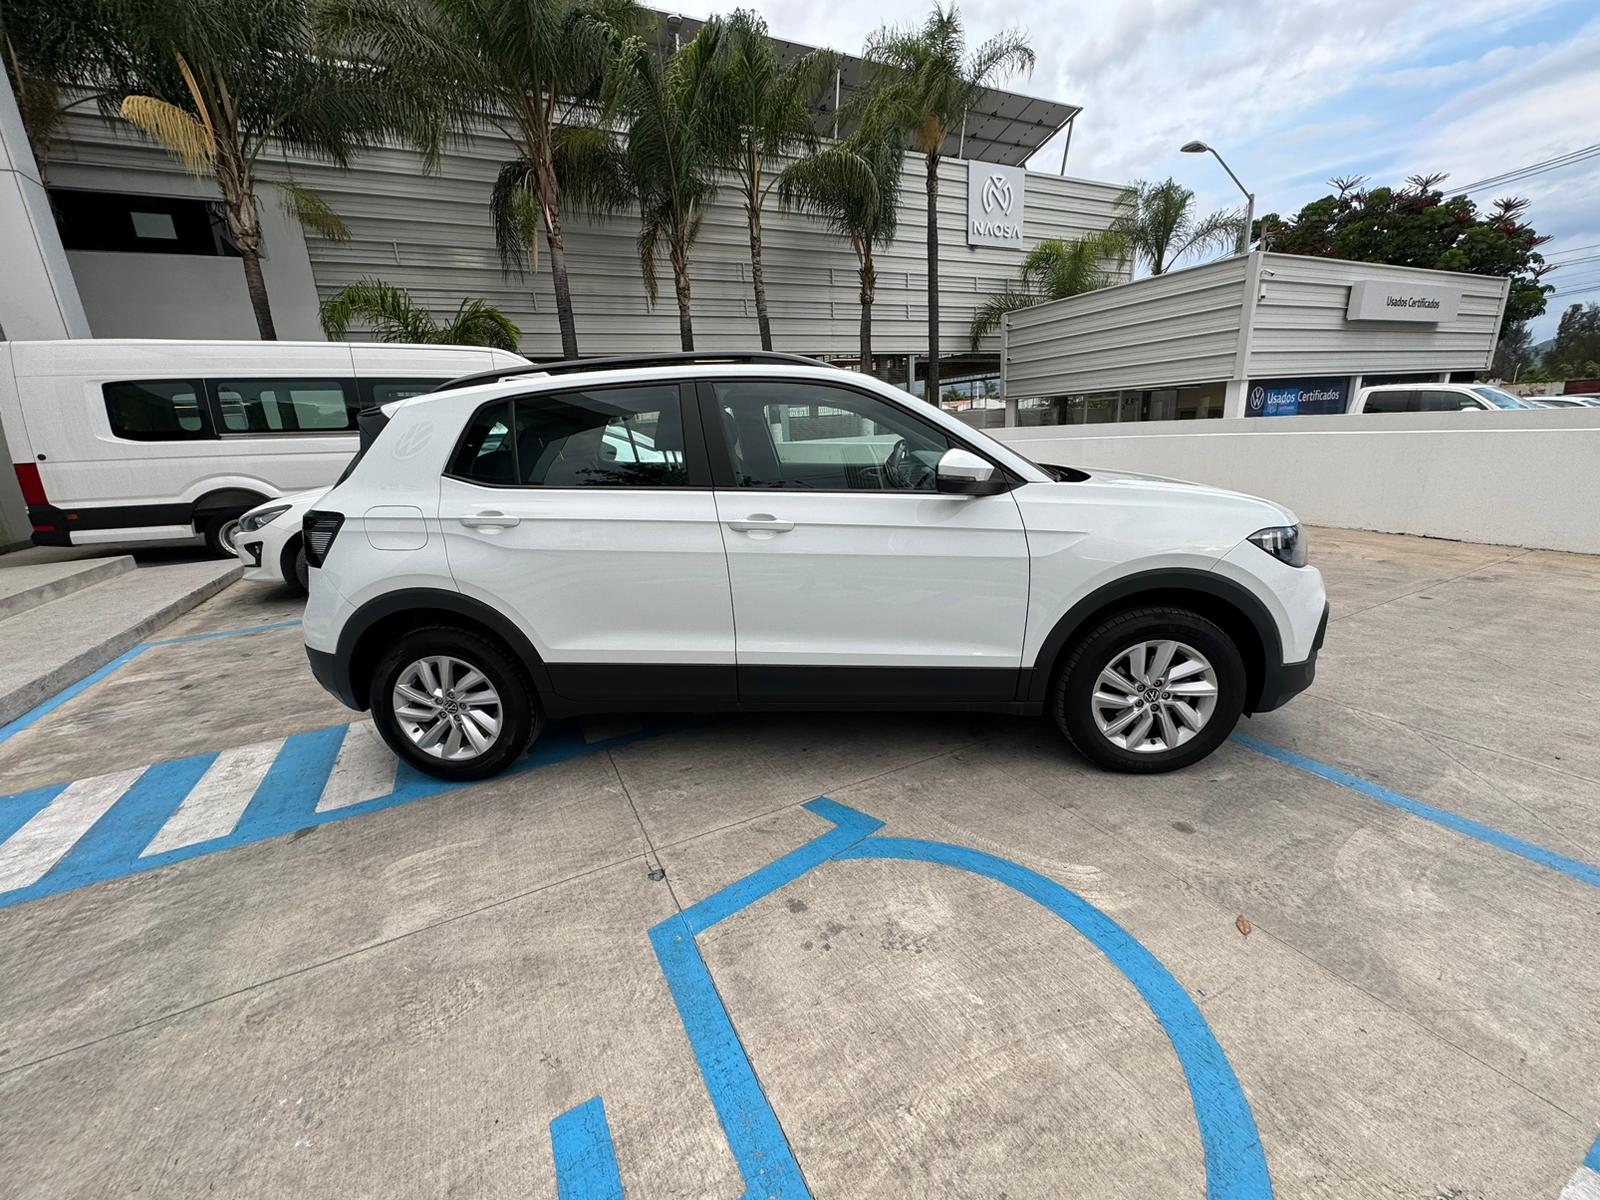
x: 1295, y: 92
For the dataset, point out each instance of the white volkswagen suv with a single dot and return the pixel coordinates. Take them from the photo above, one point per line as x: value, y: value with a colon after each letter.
x: 764, y: 532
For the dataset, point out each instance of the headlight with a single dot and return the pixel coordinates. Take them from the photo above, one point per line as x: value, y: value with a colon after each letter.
x: 1286, y: 543
x: 253, y: 521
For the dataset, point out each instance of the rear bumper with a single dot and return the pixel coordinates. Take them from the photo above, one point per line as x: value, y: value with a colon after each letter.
x: 1285, y: 681
x: 325, y: 666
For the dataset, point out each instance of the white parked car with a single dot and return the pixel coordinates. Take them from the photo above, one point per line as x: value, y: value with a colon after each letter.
x: 268, y: 540
x: 1572, y: 400
x: 117, y: 440
x: 1435, y: 397
x: 765, y: 532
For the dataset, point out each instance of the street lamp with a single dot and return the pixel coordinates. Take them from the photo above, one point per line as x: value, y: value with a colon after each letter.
x: 1249, y: 200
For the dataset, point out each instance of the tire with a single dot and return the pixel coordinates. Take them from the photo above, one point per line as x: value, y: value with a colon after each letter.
x: 1203, y: 655
x: 295, y: 573
x: 220, y: 533
x: 520, y: 719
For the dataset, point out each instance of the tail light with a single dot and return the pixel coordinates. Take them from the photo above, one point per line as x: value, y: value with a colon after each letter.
x: 32, y: 486
x: 318, y: 530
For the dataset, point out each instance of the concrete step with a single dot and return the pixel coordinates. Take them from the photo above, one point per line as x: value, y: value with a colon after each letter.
x: 50, y: 647
x: 28, y: 585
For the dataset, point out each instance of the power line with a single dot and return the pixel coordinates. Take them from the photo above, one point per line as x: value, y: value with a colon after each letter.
x: 1537, y: 168
x: 1573, y: 250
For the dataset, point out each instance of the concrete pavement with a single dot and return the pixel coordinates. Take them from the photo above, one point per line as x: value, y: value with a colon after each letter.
x: 399, y: 1003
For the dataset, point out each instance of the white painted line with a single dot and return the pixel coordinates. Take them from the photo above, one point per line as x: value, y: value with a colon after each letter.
x: 1584, y: 1185
x: 363, y: 771
x: 52, y: 831
x: 218, y: 799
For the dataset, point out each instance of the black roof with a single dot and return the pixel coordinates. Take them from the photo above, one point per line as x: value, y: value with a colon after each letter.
x: 572, y: 366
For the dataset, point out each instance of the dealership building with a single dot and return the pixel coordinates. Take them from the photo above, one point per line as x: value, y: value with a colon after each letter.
x: 1256, y: 335
x: 146, y: 255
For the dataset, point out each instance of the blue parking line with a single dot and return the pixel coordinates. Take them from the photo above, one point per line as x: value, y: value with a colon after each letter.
x: 132, y: 821
x: 285, y: 802
x: 1570, y: 867
x: 1236, y: 1167
x: 287, y: 797
x: 586, y: 1166
x: 46, y: 707
x: 1592, y: 1159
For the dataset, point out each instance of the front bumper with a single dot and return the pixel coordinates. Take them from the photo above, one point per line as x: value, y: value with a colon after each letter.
x: 1285, y: 681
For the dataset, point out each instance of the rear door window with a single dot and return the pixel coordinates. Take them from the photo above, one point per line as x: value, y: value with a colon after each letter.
x: 1392, y: 400
x: 1441, y: 401
x: 311, y: 405
x: 157, y: 410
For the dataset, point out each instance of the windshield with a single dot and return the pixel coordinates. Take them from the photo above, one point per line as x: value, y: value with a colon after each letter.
x: 1500, y: 399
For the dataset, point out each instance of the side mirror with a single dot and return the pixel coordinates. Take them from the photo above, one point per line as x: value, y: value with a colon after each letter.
x: 963, y: 473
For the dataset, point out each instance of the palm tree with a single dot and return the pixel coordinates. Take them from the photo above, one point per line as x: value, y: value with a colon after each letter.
x: 1163, y: 226
x: 393, y: 316
x: 924, y: 82
x: 765, y: 111
x: 216, y: 81
x: 531, y: 69
x: 672, y: 154
x: 855, y: 188
x: 1054, y: 270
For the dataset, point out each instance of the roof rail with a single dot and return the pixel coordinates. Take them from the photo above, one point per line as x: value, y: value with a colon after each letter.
x: 572, y: 366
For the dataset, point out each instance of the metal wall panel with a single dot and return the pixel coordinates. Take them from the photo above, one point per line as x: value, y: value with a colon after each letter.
x: 1178, y: 328
x: 1185, y: 327
x: 1300, y: 326
x: 431, y: 234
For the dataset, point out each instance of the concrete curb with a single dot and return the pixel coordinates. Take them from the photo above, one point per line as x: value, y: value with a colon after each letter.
x: 106, y: 644
x: 59, y: 580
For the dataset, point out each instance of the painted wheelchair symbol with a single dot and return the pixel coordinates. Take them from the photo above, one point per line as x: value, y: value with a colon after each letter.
x: 586, y: 1165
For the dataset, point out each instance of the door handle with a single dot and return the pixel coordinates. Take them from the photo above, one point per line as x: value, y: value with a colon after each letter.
x: 761, y: 522
x: 490, y: 519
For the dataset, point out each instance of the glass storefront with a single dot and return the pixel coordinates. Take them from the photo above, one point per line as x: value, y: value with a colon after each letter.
x: 1197, y: 402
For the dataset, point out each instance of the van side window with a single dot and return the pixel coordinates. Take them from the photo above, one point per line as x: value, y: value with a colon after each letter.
x: 156, y: 410
x: 284, y: 406
x: 386, y: 391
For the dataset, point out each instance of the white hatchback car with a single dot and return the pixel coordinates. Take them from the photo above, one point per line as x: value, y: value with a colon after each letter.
x: 763, y: 532
x: 268, y: 540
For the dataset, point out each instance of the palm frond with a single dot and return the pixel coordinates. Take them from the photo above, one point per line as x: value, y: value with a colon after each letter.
x: 387, y: 310
x: 177, y: 132
x: 1218, y: 231
x: 479, y: 323
x: 993, y: 310
x: 312, y: 211
x: 513, y: 211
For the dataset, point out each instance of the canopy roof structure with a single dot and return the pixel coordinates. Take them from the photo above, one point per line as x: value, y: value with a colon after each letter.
x: 1005, y: 127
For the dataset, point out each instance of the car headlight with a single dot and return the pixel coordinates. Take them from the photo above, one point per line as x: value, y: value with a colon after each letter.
x: 1286, y: 543
x: 253, y: 521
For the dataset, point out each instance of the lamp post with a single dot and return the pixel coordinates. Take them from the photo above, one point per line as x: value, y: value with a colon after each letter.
x: 1249, y: 198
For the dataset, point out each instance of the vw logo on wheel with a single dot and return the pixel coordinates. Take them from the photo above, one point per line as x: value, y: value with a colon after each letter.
x: 997, y: 190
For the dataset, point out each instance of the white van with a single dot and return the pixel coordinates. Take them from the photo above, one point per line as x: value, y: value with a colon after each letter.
x: 142, y: 440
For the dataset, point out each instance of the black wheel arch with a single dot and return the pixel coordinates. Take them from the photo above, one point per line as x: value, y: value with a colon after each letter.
x: 1230, y: 605
x: 379, y: 621
x: 225, y: 502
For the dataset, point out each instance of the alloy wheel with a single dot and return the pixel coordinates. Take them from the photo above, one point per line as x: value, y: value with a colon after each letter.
x: 1154, y: 696
x: 447, y: 707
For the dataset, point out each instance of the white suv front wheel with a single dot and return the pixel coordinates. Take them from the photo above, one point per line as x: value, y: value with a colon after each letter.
x: 454, y: 704
x: 1150, y: 690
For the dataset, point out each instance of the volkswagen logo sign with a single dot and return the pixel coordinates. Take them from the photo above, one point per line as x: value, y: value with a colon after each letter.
x: 1258, y: 397
x: 997, y: 191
